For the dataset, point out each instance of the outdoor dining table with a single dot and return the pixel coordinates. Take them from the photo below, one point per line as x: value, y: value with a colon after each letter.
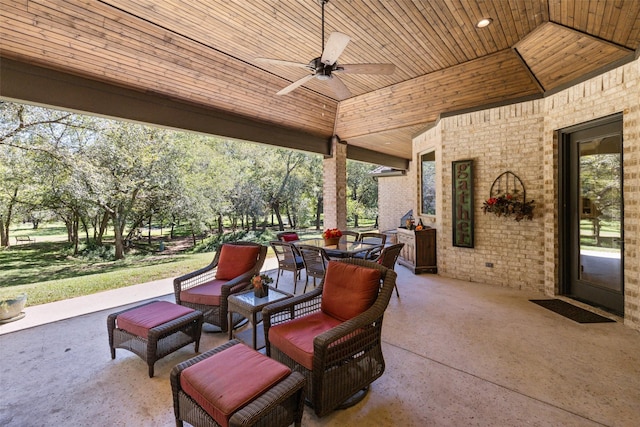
x: 342, y: 250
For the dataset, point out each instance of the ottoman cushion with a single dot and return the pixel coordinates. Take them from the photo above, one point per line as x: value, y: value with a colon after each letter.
x: 139, y: 320
x: 227, y: 381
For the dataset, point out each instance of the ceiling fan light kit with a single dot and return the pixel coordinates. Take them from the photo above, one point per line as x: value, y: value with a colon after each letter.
x: 323, y: 67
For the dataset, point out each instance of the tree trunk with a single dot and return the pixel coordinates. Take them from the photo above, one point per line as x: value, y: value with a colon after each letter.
x: 76, y: 222
x: 117, y: 229
x: 103, y: 227
x: 6, y: 222
x: 220, y: 229
x: 276, y: 210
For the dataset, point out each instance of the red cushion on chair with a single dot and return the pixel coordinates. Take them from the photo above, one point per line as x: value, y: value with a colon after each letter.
x: 290, y: 237
x: 227, y: 381
x: 139, y: 320
x: 236, y: 260
x: 349, y: 289
x: 205, y: 294
x: 295, y: 338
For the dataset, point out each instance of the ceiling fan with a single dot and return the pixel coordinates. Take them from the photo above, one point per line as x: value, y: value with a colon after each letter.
x: 324, y: 67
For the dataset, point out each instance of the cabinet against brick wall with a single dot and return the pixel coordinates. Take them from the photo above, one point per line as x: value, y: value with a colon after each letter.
x: 419, y: 251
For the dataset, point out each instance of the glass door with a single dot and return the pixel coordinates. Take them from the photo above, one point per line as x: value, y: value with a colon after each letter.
x: 594, y: 216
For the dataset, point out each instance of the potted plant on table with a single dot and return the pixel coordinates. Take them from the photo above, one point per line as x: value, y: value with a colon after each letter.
x: 331, y: 236
x: 260, y: 285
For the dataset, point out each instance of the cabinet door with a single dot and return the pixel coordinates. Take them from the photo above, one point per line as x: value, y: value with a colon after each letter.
x: 409, y: 250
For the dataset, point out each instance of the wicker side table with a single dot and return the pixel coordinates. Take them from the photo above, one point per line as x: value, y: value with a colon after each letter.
x: 249, y: 306
x: 161, y: 340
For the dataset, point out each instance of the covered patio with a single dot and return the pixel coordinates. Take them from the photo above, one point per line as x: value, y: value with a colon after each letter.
x: 457, y: 353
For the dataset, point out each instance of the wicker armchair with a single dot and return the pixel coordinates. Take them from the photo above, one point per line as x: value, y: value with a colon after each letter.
x: 208, y: 289
x: 340, y: 354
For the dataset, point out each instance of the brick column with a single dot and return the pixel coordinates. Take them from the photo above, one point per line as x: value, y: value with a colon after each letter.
x: 335, y: 186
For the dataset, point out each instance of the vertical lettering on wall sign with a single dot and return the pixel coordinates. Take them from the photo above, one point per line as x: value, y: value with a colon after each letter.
x: 462, y: 197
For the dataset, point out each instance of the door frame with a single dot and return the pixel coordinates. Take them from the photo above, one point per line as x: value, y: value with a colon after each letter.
x: 565, y: 220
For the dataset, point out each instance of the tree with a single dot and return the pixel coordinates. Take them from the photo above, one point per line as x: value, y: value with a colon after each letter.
x: 362, y: 190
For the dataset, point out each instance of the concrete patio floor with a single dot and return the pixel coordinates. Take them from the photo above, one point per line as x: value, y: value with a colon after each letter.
x: 457, y: 353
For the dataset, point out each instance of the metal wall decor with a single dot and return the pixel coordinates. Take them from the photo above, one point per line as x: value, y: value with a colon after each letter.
x: 508, y: 197
x: 462, y: 194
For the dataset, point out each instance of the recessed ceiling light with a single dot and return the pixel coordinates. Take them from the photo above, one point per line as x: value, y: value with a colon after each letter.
x: 484, y: 22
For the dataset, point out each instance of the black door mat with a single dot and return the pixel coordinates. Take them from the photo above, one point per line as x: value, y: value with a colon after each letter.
x: 570, y: 311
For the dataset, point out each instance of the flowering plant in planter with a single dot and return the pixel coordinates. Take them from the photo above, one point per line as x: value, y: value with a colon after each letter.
x: 508, y: 205
x: 260, y: 283
x: 331, y: 233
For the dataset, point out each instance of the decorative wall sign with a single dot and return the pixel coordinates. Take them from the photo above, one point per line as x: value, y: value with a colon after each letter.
x: 462, y: 195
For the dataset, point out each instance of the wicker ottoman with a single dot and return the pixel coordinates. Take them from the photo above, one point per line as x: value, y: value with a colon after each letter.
x: 154, y: 330
x: 234, y: 385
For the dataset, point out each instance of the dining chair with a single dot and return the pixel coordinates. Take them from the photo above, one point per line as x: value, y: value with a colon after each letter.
x: 388, y: 257
x: 315, y: 261
x: 349, y: 236
x: 289, y: 259
x: 371, y: 238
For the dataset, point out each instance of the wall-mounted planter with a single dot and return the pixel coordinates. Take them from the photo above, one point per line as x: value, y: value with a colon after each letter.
x: 507, y: 197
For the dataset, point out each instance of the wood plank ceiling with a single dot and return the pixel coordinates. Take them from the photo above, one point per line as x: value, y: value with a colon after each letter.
x: 204, y: 53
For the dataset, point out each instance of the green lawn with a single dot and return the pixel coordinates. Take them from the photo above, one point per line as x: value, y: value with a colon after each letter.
x: 47, y: 271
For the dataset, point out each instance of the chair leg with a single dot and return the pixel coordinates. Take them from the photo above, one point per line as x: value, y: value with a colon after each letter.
x: 395, y: 285
x: 278, y: 277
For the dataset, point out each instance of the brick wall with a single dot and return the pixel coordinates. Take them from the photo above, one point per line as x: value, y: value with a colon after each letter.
x: 521, y: 138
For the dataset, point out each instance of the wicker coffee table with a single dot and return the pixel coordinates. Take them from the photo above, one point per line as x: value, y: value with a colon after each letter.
x: 250, y: 307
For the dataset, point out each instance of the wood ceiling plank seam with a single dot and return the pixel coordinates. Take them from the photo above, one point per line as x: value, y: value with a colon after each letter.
x: 612, y: 15
x: 555, y: 10
x: 454, y: 54
x: 528, y: 12
x: 500, y: 34
x: 507, y: 21
x: 596, y: 38
x: 423, y: 34
x: 631, y: 24
x: 487, y: 35
x: 581, y: 15
x: 516, y: 16
x: 567, y: 12
x: 411, y: 35
x: 376, y: 39
x: 197, y: 55
x: 209, y: 45
x: 447, y: 20
x: 590, y: 23
x: 468, y: 29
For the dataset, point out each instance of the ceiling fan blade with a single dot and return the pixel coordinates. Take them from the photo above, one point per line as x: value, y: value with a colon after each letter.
x: 295, y: 84
x: 339, y: 88
x: 280, y: 62
x: 335, y: 45
x: 366, y: 68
